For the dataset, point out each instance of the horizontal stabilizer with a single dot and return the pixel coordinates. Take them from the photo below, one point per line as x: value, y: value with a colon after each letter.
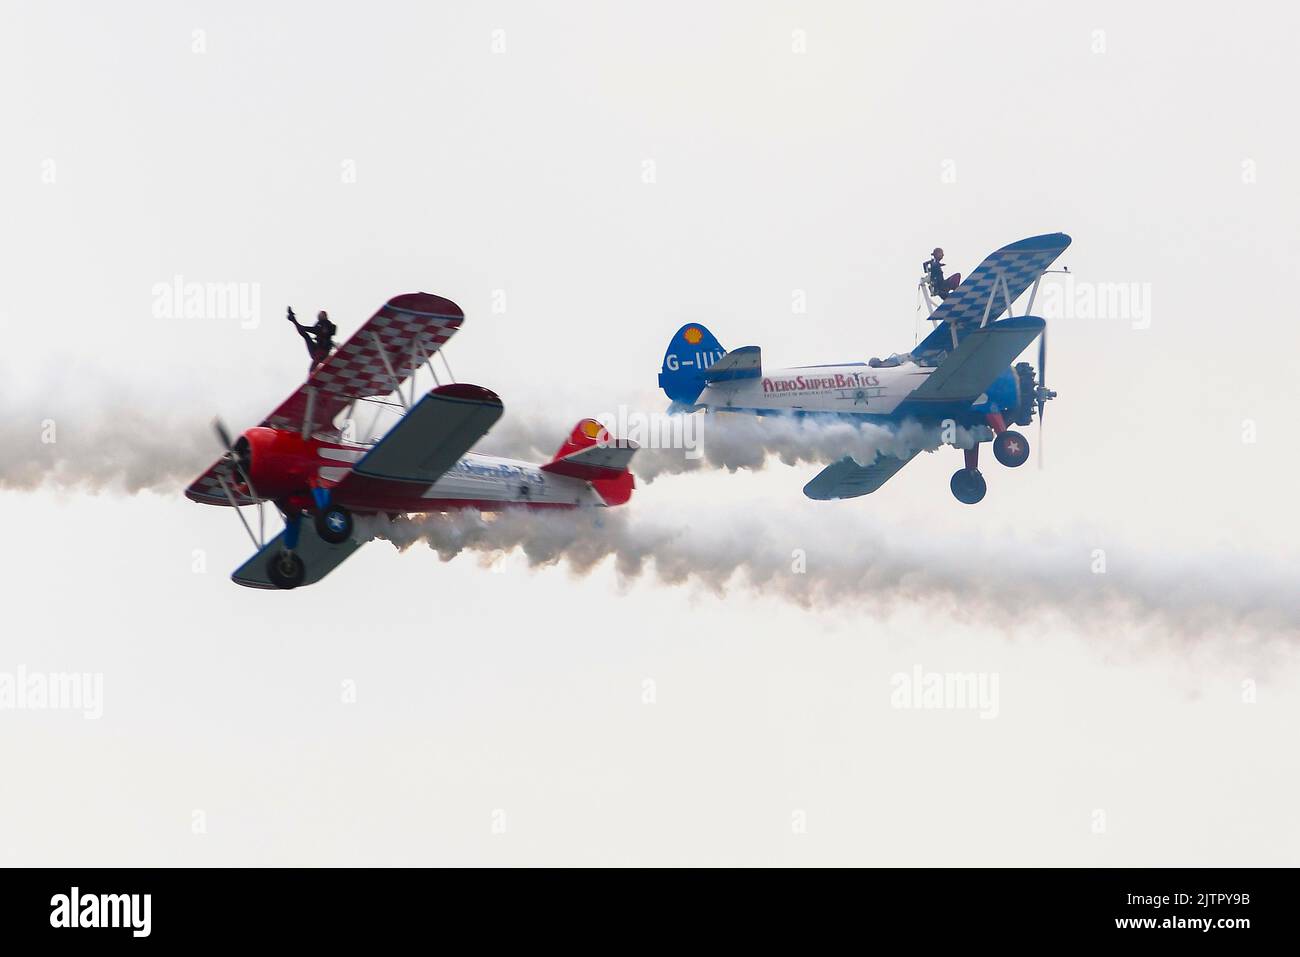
x: 594, y: 463
x: 591, y: 454
x: 743, y: 363
x: 847, y: 479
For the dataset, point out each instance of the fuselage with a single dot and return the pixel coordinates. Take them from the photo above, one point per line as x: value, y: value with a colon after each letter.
x: 858, y: 389
x: 853, y: 389
x: 285, y: 467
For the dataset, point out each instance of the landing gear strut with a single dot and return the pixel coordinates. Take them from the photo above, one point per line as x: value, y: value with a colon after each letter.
x: 968, y: 485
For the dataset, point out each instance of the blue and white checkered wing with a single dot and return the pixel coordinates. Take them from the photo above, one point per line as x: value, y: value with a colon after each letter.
x: 1020, y: 264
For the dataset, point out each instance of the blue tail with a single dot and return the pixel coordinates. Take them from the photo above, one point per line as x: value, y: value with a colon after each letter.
x: 692, y: 350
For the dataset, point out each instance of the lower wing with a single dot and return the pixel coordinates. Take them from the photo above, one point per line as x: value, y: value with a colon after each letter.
x: 847, y: 479
x: 318, y: 557
x: 429, y: 439
x: 972, y: 367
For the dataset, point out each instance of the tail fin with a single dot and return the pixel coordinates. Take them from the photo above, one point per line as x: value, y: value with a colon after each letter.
x: 692, y: 350
x: 591, y: 454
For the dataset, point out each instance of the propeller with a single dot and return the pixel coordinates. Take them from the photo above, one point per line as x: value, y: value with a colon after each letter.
x: 1042, y: 393
x: 223, y: 435
x: 236, y: 454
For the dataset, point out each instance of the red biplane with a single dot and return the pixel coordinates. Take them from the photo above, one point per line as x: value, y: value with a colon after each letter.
x: 304, y: 459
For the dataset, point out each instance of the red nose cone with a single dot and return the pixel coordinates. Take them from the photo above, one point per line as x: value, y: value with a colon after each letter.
x: 280, y: 462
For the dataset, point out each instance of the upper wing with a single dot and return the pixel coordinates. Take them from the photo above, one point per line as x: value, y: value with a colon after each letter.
x: 847, y: 479
x: 973, y: 366
x: 379, y: 357
x: 397, y: 339
x: 319, y: 558
x: 1019, y: 264
x: 429, y: 439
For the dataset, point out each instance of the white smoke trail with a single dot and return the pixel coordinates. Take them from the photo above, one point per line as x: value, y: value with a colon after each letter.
x: 135, y: 444
x: 844, y: 560
x: 116, y: 446
x: 51, y: 447
x: 734, y: 441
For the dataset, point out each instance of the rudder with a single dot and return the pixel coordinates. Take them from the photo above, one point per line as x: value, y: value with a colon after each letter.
x: 692, y: 350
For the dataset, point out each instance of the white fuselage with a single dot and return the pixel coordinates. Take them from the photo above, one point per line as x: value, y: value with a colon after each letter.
x: 476, y: 478
x: 491, y: 478
x: 841, y: 389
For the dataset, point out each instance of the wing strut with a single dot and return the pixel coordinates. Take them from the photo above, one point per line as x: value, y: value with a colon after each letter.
x: 388, y: 366
x: 261, y: 527
x: 1029, y: 309
x: 311, y: 408
x: 1001, y: 283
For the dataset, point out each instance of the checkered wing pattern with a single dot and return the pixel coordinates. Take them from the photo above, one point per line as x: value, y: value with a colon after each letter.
x: 406, y: 331
x: 207, y: 489
x: 1020, y: 264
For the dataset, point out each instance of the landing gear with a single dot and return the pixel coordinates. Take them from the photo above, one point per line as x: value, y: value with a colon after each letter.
x: 1011, y: 449
x: 334, y: 524
x: 286, y: 570
x: 968, y: 486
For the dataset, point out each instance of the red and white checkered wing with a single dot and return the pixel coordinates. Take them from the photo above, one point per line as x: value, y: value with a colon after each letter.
x: 207, y: 487
x: 406, y: 331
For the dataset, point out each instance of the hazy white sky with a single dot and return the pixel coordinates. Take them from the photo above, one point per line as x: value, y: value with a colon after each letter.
x: 333, y: 159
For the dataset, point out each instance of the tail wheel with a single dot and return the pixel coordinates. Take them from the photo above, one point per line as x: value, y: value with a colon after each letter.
x: 1011, y: 449
x: 334, y: 524
x: 968, y: 486
x: 286, y: 570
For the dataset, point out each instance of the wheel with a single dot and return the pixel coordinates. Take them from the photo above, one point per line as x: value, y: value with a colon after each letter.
x: 968, y: 486
x: 286, y: 570
x: 334, y: 524
x: 1011, y: 449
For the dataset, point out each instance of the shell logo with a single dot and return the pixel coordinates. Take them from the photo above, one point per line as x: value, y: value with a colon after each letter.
x: 693, y: 336
x: 591, y: 428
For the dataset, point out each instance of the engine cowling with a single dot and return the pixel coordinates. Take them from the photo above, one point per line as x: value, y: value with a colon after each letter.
x: 1026, y: 386
x: 279, y: 462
